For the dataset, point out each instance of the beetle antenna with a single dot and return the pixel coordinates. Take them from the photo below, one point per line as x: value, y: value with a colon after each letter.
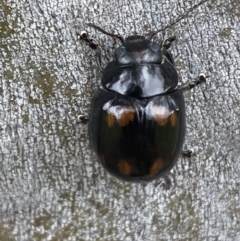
x: 153, y: 33
x: 119, y: 37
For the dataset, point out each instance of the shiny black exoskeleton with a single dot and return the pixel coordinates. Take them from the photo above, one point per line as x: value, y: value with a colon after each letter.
x: 137, y: 121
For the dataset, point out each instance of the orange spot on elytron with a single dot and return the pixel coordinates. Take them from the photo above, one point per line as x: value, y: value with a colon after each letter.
x: 110, y: 119
x: 173, y: 118
x: 124, y: 167
x: 160, y: 115
x: 123, y: 116
x: 157, y: 166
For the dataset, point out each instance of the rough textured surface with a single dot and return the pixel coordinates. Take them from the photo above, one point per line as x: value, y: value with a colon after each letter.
x: 52, y: 187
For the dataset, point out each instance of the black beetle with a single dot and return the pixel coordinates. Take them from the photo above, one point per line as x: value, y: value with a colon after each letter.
x: 137, y: 121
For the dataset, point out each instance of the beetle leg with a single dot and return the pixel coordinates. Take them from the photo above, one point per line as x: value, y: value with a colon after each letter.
x: 83, y: 119
x: 93, y: 44
x: 202, y: 78
x: 188, y: 153
x: 166, y: 44
x: 99, y: 58
x: 168, y: 55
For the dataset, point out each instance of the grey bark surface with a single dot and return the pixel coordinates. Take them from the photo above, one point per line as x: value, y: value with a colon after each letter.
x: 52, y: 187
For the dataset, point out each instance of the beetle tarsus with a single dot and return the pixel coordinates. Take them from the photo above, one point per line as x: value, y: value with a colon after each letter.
x: 167, y: 42
x: 93, y: 44
x: 202, y: 78
x: 188, y: 153
x: 83, y: 119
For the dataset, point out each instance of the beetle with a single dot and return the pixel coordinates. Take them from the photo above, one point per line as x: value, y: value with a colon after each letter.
x: 137, y: 121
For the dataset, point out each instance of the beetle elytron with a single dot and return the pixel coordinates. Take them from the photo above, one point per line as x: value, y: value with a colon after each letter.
x: 137, y: 120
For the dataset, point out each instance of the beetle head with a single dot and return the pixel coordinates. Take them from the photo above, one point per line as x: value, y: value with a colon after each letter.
x: 138, y: 49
